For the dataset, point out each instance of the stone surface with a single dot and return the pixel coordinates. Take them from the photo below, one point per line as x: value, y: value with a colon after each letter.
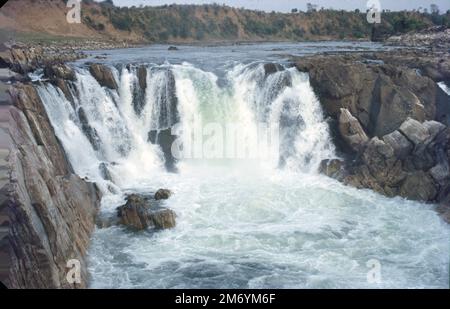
x: 351, y: 130
x: 139, y: 214
x: 333, y: 168
x: 414, y: 131
x: 380, y: 96
x: 103, y: 75
x: 61, y: 71
x: 401, y: 145
x: 47, y: 213
x: 163, y: 194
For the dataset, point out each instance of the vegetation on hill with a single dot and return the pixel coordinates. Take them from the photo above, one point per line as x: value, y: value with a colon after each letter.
x: 214, y: 22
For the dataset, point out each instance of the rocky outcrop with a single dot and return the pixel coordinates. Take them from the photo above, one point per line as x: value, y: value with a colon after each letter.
x: 23, y: 58
x: 139, y: 214
x: 435, y: 37
x: 351, y: 130
x: 103, y: 75
x: 412, y: 162
x: 47, y: 212
x: 162, y: 194
x: 380, y: 96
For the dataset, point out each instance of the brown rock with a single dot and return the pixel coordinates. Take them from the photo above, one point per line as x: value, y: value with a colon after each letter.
x: 418, y: 186
x: 46, y: 211
x: 163, y: 194
x: 139, y: 214
x: 351, y: 130
x: 103, y: 75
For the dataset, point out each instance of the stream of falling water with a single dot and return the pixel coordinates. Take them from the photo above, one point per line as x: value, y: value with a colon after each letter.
x: 242, y: 223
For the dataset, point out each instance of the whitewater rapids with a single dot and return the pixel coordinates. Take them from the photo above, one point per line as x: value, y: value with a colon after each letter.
x: 241, y: 223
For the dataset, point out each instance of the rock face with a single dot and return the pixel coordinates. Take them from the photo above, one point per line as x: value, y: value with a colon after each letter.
x: 380, y: 96
x: 411, y: 162
x: 139, y: 214
x: 391, y: 120
x: 103, y: 75
x: 351, y: 130
x: 47, y: 213
x: 162, y: 194
x: 26, y: 58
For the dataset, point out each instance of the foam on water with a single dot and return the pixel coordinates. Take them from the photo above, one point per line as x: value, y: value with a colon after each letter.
x: 242, y: 223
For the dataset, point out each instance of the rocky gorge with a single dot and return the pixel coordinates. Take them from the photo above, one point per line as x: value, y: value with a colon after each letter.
x: 389, y: 120
x: 388, y: 117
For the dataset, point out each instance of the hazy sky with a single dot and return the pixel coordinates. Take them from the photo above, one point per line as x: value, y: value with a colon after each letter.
x: 287, y: 5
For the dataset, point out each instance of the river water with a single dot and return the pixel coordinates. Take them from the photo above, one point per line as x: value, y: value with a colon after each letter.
x: 243, y: 221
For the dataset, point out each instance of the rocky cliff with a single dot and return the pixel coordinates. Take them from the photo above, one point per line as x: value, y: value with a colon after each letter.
x: 390, y: 123
x: 47, y: 213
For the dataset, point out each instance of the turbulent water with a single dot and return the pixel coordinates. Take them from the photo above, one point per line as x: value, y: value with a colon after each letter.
x: 250, y: 221
x: 444, y: 87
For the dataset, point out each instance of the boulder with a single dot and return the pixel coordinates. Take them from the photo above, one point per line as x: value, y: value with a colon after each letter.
x: 163, y: 194
x: 401, y: 145
x: 142, y: 77
x: 414, y: 131
x: 139, y: 214
x: 351, y: 130
x: 59, y: 71
x: 103, y: 75
x: 270, y: 68
x: 418, y: 186
x: 333, y: 168
x: 434, y: 128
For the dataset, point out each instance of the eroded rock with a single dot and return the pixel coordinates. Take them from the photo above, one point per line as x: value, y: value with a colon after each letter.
x: 103, y: 75
x: 163, y: 194
x: 139, y: 214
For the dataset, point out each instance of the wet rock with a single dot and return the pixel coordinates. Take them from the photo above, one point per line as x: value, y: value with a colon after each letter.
x: 270, y: 68
x: 89, y: 131
x: 47, y: 212
x: 418, y: 186
x: 59, y: 71
x: 163, y: 194
x: 142, y: 77
x: 103, y: 75
x: 351, y: 130
x: 172, y: 48
x: 333, y: 168
x: 104, y: 171
x: 165, y: 140
x: 139, y: 214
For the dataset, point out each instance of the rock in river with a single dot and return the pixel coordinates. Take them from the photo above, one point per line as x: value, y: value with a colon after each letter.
x: 139, y: 214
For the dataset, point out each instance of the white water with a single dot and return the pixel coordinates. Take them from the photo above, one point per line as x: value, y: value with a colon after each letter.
x: 241, y: 223
x: 444, y: 87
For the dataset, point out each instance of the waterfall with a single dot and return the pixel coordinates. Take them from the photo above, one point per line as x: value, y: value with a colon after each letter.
x: 444, y: 87
x: 117, y: 137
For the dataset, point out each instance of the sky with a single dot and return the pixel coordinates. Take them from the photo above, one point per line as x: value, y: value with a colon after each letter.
x: 287, y: 5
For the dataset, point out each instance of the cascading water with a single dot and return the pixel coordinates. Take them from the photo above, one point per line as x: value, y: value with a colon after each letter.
x: 444, y: 87
x: 241, y: 223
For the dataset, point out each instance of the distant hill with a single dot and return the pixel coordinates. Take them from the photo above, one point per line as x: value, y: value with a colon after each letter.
x: 46, y: 20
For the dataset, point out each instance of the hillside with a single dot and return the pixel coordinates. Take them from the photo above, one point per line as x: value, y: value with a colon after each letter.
x: 46, y: 19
